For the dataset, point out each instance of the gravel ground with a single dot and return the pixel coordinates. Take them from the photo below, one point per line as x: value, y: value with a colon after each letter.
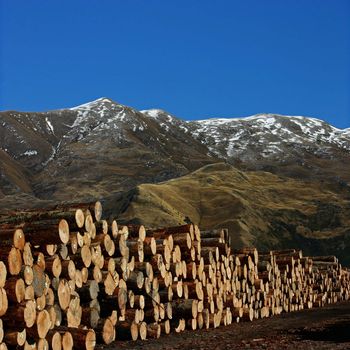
x: 324, y: 328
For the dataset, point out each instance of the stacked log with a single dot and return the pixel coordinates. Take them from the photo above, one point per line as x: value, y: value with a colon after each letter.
x: 69, y: 279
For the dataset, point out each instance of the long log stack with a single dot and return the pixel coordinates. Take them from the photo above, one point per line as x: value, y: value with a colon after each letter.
x: 69, y: 279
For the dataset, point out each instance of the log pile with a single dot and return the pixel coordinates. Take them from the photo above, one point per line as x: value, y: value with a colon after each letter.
x: 69, y: 279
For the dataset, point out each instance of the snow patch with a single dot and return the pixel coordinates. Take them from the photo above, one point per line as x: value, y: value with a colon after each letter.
x: 30, y: 153
x: 154, y: 113
x: 91, y: 104
x: 53, y: 154
x: 49, y: 124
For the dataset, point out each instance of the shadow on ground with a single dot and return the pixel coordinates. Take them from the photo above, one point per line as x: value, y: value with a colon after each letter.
x: 338, y: 332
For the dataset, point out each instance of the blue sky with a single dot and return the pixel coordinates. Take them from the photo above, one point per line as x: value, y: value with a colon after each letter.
x: 196, y: 59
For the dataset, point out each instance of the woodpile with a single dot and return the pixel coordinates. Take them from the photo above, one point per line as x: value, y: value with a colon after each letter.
x: 69, y: 279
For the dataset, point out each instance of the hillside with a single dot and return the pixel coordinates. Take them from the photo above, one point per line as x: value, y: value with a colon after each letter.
x: 294, y: 146
x: 89, y: 151
x: 102, y: 148
x: 275, y: 181
x: 259, y: 208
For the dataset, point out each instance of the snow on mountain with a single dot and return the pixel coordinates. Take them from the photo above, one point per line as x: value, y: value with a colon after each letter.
x: 105, y: 134
x: 96, y: 104
x: 154, y: 113
x: 165, y: 120
x: 268, y: 135
x: 264, y: 135
x: 104, y: 116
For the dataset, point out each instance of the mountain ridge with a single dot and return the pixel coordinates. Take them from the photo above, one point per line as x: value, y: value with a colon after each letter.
x: 103, y: 147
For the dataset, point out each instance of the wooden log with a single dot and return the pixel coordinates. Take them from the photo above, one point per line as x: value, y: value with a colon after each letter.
x: 46, y: 232
x: 154, y: 330
x: 91, y: 314
x: 67, y: 339
x: 127, y: 331
x: 95, y: 208
x: 12, y: 258
x: 53, y: 266
x: 142, y: 327
x: 15, y: 338
x: 68, y: 269
x: 54, y: 339
x: 136, y: 248
x: 80, y: 338
x: 165, y: 327
x: 63, y: 251
x: 22, y: 315
x: 151, y: 314
x: 3, y: 274
x: 46, y: 214
x: 11, y: 236
x: 15, y: 289
x: 135, y: 280
x: 1, y: 331
x: 139, y: 301
x: 101, y: 226
x: 3, y: 302
x: 74, y: 311
x: 19, y: 239
x: 105, y: 331
x: 145, y: 267
x: 43, y: 324
x: 27, y: 255
x: 131, y: 315
x: 149, y: 246
x: 50, y: 249
x: 182, y: 308
x: 248, y: 314
x: 110, y: 282
x: 183, y: 240
x: 39, y: 280
x: 160, y: 233
x: 89, y: 291
x: 105, y: 241
x: 113, y: 229
x: 137, y: 231
x: 211, y: 242
x: 329, y: 258
x: 64, y: 294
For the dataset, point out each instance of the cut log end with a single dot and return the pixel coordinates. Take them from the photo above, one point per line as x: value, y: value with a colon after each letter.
x: 63, y: 231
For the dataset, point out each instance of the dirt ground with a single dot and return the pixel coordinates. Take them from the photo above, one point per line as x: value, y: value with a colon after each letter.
x: 324, y: 328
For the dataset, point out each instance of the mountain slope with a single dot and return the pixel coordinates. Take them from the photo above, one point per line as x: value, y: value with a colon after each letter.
x: 259, y: 208
x: 290, y: 145
x: 103, y: 148
x: 94, y: 149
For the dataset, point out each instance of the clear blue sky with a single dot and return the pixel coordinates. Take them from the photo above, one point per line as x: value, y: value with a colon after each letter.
x: 196, y: 59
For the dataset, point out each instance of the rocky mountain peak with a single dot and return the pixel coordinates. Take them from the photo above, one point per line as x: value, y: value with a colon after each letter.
x: 98, y: 104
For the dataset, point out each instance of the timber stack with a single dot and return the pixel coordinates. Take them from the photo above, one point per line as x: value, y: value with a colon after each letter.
x: 69, y: 279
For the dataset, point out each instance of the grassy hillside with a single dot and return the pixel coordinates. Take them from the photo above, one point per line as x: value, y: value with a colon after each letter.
x: 259, y: 208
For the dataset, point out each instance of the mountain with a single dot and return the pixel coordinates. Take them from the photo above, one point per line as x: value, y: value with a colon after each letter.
x: 293, y: 146
x: 102, y: 147
x: 259, y: 209
x: 274, y: 180
x: 90, y: 151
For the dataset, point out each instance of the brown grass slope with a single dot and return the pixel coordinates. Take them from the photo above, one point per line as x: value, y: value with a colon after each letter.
x: 15, y: 176
x: 259, y: 208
